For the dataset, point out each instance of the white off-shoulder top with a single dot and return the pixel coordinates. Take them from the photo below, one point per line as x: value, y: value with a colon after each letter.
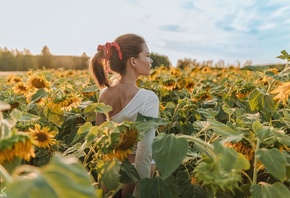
x: 146, y: 103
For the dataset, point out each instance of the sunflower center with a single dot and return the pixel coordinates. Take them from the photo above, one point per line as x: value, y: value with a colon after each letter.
x: 38, y: 83
x: 128, y: 139
x: 23, y: 88
x: 42, y: 137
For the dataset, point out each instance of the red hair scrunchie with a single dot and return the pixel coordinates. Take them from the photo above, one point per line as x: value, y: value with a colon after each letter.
x: 107, y: 49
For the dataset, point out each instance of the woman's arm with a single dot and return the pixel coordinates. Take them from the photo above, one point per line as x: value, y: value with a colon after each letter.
x: 143, y: 157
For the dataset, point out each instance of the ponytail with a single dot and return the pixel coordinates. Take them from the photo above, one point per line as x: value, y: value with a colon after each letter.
x: 96, y: 67
x: 100, y: 60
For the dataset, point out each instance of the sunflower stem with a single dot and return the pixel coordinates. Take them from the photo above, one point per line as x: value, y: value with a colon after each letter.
x: 205, y: 128
x: 208, y: 147
x: 255, y: 171
x: 92, y: 148
x: 173, y: 115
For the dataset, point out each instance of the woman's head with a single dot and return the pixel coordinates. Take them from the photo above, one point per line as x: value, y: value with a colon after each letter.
x: 121, y: 50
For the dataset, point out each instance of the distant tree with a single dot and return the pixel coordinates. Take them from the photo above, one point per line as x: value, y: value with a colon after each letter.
x: 26, y: 52
x: 83, y: 61
x: 159, y: 60
x: 18, y: 58
x: 45, y: 51
x: 7, y: 62
x: 45, y: 60
x: 187, y: 62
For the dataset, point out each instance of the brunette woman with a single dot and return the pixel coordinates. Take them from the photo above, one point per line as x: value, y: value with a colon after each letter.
x: 128, y: 56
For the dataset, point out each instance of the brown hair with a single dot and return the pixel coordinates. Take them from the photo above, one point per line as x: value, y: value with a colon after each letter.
x: 130, y: 45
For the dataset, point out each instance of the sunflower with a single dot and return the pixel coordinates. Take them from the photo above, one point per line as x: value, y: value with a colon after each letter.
x: 186, y: 83
x: 13, y: 79
x: 175, y: 72
x: 41, y: 136
x: 202, y: 96
x: 20, y: 88
x: 38, y: 82
x: 40, y: 101
x: 88, y: 94
x: 169, y: 84
x: 206, y: 70
x: 65, y: 103
x: 242, y: 148
x: 242, y: 95
x: 22, y: 149
x: 128, y: 138
x: 283, y: 92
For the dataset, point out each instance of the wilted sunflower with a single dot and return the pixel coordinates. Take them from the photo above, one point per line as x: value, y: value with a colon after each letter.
x: 38, y: 82
x: 128, y: 138
x: 283, y: 92
x: 65, y: 103
x: 202, y: 97
x: 41, y: 136
x: 22, y: 149
x: 20, y: 88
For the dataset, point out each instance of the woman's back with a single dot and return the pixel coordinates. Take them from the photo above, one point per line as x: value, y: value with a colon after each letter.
x: 118, y: 97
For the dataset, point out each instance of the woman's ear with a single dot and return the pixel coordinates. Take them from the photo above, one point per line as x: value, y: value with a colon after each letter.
x: 132, y: 62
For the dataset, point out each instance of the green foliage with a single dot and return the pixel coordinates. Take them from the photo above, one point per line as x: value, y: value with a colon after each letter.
x: 220, y: 134
x: 269, y: 190
x: 164, y: 147
x: 156, y: 187
x: 62, y: 177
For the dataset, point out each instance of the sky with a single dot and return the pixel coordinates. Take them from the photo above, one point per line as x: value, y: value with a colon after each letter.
x: 228, y: 30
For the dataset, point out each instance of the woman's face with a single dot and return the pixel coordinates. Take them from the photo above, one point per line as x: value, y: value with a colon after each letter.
x: 143, y: 62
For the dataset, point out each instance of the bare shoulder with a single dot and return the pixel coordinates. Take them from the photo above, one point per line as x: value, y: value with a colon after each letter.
x: 107, y: 93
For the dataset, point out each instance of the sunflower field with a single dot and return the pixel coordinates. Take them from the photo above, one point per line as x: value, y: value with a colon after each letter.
x: 221, y: 133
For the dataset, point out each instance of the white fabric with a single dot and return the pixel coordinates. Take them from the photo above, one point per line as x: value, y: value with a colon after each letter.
x: 146, y: 103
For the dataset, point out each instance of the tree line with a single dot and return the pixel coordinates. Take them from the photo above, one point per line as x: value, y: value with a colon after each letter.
x: 15, y: 60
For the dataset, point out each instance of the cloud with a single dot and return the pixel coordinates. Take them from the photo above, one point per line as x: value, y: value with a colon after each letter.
x: 204, y: 29
x: 173, y: 28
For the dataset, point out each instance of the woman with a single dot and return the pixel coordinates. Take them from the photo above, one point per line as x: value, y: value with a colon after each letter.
x: 129, y: 57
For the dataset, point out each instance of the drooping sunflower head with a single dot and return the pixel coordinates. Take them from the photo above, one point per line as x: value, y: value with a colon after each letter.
x: 38, y: 82
x: 127, y: 140
x: 64, y: 102
x: 204, y: 95
x: 42, y: 136
x: 17, y: 145
x: 283, y: 92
